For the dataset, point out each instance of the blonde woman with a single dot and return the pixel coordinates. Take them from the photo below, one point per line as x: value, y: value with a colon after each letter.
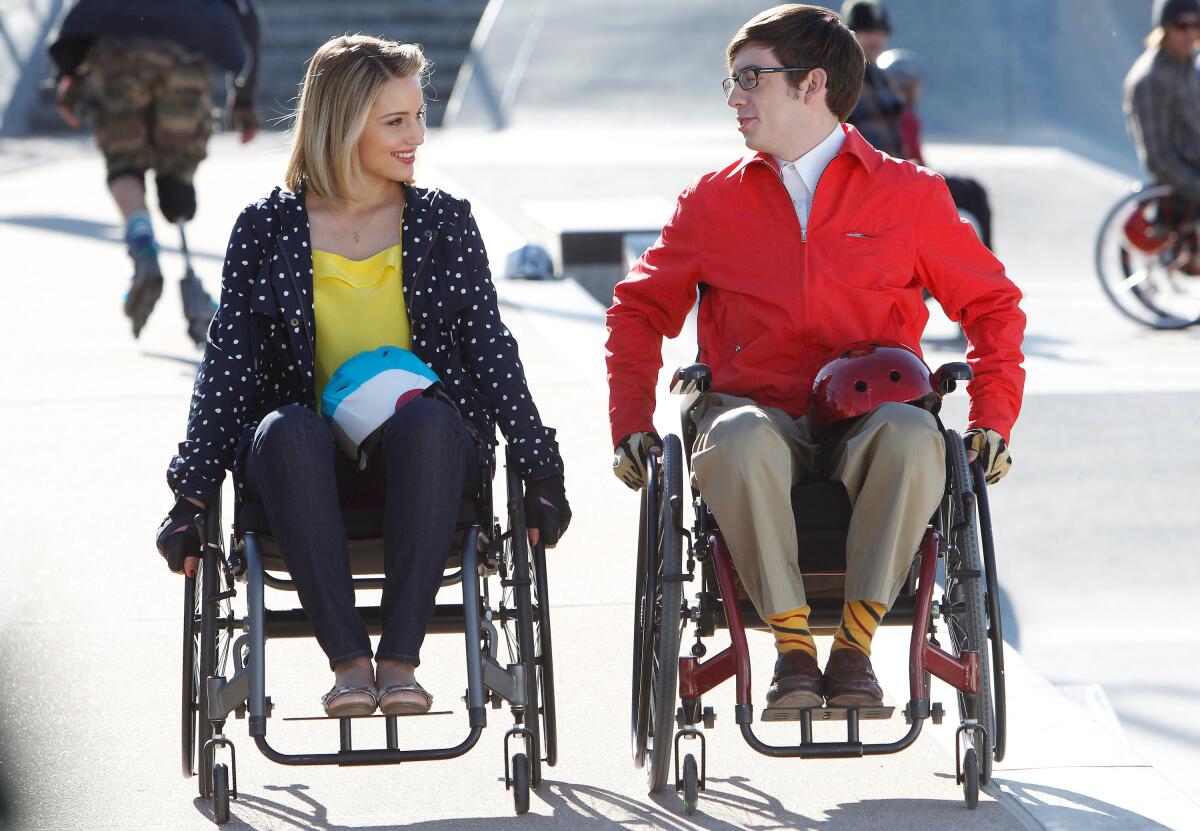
x: 351, y: 257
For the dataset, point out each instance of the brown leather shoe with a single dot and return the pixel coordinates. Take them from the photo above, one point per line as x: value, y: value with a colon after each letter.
x: 796, y: 682
x: 850, y: 681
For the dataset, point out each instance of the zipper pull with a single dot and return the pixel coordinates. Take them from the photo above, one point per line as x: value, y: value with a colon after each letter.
x: 804, y: 235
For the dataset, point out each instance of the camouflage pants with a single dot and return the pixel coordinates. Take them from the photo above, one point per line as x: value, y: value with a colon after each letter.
x: 152, y: 104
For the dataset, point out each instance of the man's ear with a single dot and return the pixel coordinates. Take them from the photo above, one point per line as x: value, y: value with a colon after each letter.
x: 815, y: 83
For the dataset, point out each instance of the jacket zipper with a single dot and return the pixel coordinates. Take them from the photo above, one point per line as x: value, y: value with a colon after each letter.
x: 779, y: 176
x: 312, y: 350
x: 803, y: 240
x: 433, y: 238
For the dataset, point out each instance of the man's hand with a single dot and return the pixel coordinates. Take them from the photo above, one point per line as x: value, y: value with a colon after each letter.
x: 69, y: 99
x: 547, y: 512
x: 178, y: 538
x: 989, y: 446
x: 243, y: 119
x: 630, y: 458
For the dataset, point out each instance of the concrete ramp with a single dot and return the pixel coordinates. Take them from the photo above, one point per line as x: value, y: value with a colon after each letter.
x: 1024, y: 71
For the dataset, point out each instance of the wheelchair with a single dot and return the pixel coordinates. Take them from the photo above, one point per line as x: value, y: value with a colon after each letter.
x: 504, y: 590
x: 957, y: 547
x: 1148, y: 258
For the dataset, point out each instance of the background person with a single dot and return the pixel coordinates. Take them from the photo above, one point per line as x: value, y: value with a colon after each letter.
x: 815, y: 242
x: 353, y: 257
x: 877, y: 113
x: 886, y: 113
x: 1162, y: 99
x: 143, y: 70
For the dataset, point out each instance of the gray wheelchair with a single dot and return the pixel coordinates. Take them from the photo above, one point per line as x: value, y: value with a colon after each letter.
x: 504, y: 619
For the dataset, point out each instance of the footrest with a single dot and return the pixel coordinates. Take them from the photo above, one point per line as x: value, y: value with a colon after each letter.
x: 373, y: 715
x: 826, y: 713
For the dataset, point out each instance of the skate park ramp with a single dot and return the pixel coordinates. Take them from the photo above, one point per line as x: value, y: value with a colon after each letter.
x: 1018, y: 71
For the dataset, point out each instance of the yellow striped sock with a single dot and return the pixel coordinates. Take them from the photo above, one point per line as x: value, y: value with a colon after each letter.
x: 860, y: 619
x: 791, y: 631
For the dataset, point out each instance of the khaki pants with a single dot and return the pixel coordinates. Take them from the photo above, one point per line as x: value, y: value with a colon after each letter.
x: 152, y: 104
x: 747, y: 458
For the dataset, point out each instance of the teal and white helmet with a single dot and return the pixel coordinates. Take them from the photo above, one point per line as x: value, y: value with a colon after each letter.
x: 367, y: 390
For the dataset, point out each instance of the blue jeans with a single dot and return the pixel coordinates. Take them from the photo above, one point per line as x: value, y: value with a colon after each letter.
x: 417, y: 476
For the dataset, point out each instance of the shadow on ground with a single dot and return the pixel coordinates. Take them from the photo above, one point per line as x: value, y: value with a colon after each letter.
x: 584, y: 806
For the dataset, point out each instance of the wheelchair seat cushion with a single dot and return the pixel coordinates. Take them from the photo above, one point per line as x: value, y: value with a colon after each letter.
x: 361, y: 523
x: 822, y: 513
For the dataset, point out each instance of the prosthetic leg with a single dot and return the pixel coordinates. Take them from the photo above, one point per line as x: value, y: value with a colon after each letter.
x: 198, y: 306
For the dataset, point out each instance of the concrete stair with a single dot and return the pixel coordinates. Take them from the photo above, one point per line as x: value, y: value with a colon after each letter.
x: 293, y: 29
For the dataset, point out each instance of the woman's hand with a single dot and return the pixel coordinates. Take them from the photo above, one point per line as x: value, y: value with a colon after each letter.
x: 178, y: 538
x: 547, y: 512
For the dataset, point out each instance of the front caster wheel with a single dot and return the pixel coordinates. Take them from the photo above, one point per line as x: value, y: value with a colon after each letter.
x: 220, y: 793
x: 970, y: 778
x: 691, y: 784
x: 520, y: 782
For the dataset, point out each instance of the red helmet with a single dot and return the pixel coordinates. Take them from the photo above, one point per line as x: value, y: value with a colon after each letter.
x: 857, y: 379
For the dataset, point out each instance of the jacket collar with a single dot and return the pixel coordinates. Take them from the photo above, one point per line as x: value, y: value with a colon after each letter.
x: 419, y: 230
x: 853, y: 145
x: 289, y: 213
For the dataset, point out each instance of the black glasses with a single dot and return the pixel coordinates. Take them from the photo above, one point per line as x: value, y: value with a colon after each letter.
x: 748, y: 78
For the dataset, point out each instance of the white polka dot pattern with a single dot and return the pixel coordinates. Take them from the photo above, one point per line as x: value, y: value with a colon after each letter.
x: 259, y: 354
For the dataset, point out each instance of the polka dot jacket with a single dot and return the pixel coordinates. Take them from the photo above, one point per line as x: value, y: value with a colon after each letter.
x: 259, y: 355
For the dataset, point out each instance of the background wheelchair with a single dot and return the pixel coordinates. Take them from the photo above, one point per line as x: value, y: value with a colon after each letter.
x: 1148, y: 258
x: 957, y: 547
x: 504, y: 590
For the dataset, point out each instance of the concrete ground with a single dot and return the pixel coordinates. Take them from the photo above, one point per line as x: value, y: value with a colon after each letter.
x: 89, y: 618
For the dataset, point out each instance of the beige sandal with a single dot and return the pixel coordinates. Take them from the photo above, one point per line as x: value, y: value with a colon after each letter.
x: 409, y: 699
x: 350, y: 700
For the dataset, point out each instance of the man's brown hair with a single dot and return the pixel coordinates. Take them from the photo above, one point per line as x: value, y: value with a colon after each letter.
x: 804, y: 35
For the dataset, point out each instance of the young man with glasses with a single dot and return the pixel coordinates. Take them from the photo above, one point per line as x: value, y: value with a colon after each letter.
x: 814, y: 242
x: 1162, y: 99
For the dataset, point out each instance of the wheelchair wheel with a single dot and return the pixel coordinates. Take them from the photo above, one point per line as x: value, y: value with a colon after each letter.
x: 965, y: 607
x: 545, y: 657
x: 191, y: 676
x: 1147, y: 281
x: 526, y: 573
x: 212, y: 640
x: 970, y: 777
x: 691, y: 785
x: 659, y: 620
x: 995, y: 613
x: 520, y: 783
x: 220, y: 793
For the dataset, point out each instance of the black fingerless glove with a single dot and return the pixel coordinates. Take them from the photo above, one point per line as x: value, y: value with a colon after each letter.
x: 547, y: 509
x: 178, y: 537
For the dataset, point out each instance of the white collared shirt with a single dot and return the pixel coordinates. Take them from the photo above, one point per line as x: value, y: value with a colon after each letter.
x: 800, y: 176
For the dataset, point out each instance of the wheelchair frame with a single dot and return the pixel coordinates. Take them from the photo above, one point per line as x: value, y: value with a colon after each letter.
x: 969, y: 607
x: 527, y: 684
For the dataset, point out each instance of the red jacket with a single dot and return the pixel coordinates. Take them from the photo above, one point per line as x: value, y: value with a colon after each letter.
x: 778, y: 304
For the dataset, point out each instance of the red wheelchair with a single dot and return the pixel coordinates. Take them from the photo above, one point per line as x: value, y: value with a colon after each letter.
x: 668, y: 709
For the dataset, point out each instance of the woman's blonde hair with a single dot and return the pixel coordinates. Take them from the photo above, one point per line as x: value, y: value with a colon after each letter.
x: 340, y: 87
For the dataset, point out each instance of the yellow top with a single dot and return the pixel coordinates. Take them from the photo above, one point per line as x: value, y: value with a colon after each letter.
x: 359, y: 306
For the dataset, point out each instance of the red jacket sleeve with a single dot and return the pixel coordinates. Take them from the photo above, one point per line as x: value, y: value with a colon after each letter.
x: 651, y: 303
x: 972, y: 288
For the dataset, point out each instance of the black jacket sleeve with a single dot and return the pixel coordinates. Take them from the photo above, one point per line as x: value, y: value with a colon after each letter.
x: 245, y: 85
x: 69, y: 46
x: 491, y: 358
x: 225, y: 384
